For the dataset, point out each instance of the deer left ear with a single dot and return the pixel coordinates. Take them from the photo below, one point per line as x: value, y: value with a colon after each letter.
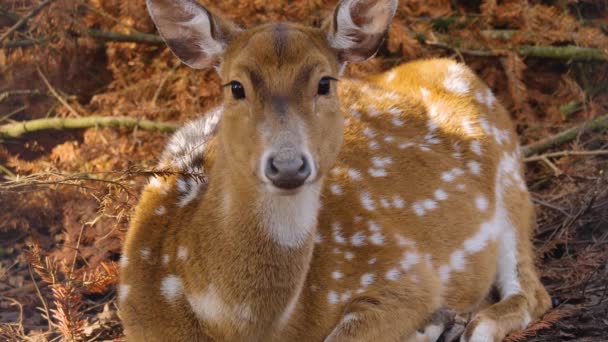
x: 358, y: 28
x: 192, y: 32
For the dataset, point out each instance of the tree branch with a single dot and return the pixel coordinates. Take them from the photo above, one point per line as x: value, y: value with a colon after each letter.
x: 142, y: 38
x: 565, y: 136
x: 568, y: 53
x: 18, y: 129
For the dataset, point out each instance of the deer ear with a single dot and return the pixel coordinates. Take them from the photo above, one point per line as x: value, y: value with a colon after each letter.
x: 192, y: 32
x: 358, y: 27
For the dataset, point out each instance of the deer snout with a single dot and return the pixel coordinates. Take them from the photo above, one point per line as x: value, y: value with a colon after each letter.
x: 287, y: 169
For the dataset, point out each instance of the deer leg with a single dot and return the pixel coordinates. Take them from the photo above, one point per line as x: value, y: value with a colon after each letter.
x: 442, y: 320
x: 523, y: 297
x: 390, y: 315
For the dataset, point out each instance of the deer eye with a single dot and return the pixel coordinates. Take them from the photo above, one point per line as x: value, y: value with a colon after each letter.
x: 238, y: 92
x: 324, y: 86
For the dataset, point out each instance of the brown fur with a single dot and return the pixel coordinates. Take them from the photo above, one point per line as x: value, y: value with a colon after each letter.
x: 248, y: 279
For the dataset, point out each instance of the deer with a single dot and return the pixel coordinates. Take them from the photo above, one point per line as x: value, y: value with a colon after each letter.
x: 329, y: 209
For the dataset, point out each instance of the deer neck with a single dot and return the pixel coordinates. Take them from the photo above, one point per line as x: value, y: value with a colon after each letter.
x: 271, y: 235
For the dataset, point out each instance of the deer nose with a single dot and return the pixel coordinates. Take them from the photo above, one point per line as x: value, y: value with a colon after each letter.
x: 287, y: 171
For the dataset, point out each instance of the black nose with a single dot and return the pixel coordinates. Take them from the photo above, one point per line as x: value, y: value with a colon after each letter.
x: 287, y: 173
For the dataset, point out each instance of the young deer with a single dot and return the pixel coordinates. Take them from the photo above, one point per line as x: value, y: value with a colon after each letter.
x: 349, y: 210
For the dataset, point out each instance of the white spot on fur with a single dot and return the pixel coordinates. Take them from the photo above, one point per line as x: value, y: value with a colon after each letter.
x: 381, y: 162
x: 165, y: 259
x: 409, y: 260
x: 481, y: 202
x: 418, y: 209
x: 318, y: 238
x: 182, y: 253
x: 336, y: 189
x: 384, y: 202
x: 461, y: 187
x: 393, y: 274
x: 354, y: 174
x: 467, y: 127
x: 333, y: 297
x: 349, y: 255
x: 357, y: 239
x: 447, y: 177
x: 476, y: 147
x: 337, y: 275
x: 124, y: 261
x: 398, y: 122
x: 457, y: 260
x: 474, y: 167
x: 210, y: 307
x: 367, y: 279
x: 171, y: 288
x: 398, y: 202
x: 373, y: 112
x: 373, y: 227
x: 456, y: 80
x: 406, y: 145
x: 389, y: 139
x: 160, y: 210
x: 369, y: 132
x: 377, y: 239
x: 145, y: 253
x: 429, y: 204
x: 367, y: 201
x: 403, y: 241
x: 377, y: 172
x: 123, y: 292
x: 440, y: 195
x: 444, y: 273
x: 154, y: 182
x: 373, y: 145
x: 391, y: 76
x: 346, y: 296
x: 372, y: 261
x: 337, y: 234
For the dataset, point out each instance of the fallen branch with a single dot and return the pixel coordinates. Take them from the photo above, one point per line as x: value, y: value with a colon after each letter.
x: 18, y: 129
x: 565, y: 136
x: 142, y: 38
x: 542, y: 157
x: 105, y: 36
x: 24, y: 19
x: 568, y: 53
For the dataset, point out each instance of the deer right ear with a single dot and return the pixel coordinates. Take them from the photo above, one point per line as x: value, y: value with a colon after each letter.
x: 358, y: 27
x: 192, y: 32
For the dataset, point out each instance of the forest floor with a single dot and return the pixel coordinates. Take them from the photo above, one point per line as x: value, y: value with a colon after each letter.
x: 66, y: 194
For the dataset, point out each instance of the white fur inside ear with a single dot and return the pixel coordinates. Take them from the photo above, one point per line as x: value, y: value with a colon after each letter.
x: 196, y: 30
x: 377, y: 16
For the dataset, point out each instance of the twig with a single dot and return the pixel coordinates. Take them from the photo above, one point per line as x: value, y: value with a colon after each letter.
x: 542, y: 157
x: 565, y: 136
x: 144, y: 38
x: 24, y: 19
x: 6, y: 94
x: 55, y: 94
x: 18, y: 129
x: 7, y: 171
x: 552, y: 166
x: 20, y: 306
x: 46, y: 307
